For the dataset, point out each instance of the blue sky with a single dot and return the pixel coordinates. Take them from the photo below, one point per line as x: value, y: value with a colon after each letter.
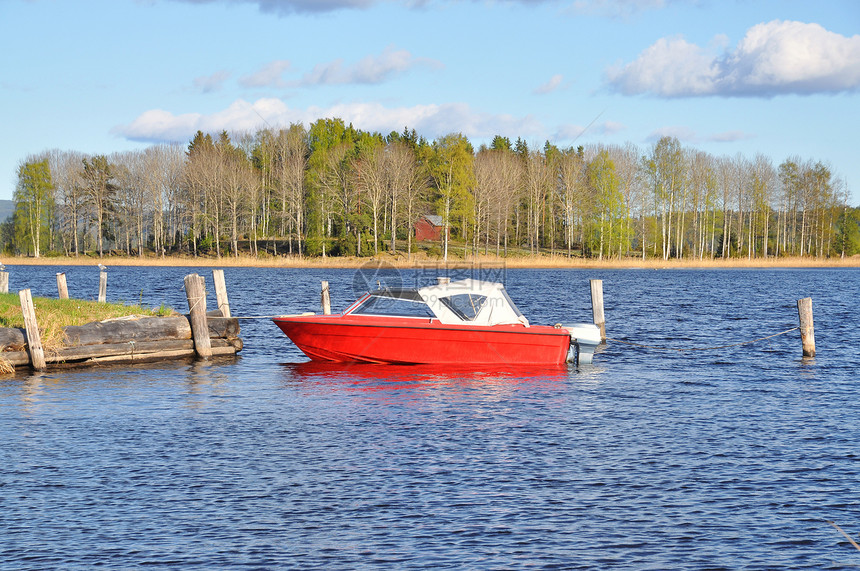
x: 781, y: 77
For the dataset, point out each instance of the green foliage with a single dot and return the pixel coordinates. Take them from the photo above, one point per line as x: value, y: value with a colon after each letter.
x: 34, y: 203
x: 610, y: 212
x: 410, y: 138
x: 206, y: 244
x: 451, y: 167
x: 848, y: 233
x: 200, y: 144
x: 7, y: 236
x: 521, y: 148
x: 551, y: 152
x: 500, y: 143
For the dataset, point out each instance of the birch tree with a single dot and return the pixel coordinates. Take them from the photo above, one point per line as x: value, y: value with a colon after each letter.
x: 34, y: 198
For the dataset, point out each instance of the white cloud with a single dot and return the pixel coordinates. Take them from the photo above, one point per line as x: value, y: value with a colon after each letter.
x: 158, y: 125
x: 612, y: 127
x: 774, y: 58
x: 569, y: 133
x: 370, y: 70
x: 210, y: 83
x: 670, y: 67
x: 267, y: 76
x: 550, y: 86
x: 430, y: 120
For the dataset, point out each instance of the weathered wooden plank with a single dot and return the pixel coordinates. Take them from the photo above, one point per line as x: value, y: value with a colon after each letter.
x: 62, y: 286
x: 34, y: 339
x: 12, y: 338
x: 124, y: 352
x: 221, y: 292
x: 145, y: 329
x: 120, y: 359
x: 223, y: 327
x: 597, y: 307
x: 111, y: 349
x: 102, y: 286
x: 124, y: 330
x: 325, y: 298
x: 195, y: 292
x: 17, y: 358
x: 4, y: 282
x: 807, y: 328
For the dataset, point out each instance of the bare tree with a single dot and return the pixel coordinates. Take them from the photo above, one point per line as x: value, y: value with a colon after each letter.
x: 292, y: 159
x: 487, y: 180
x: 369, y: 171
x: 100, y: 189
x: 536, y: 181
x: 66, y: 174
x: 164, y: 170
x: 238, y: 180
x: 626, y: 160
x: 407, y: 184
x: 510, y: 174
x: 335, y: 189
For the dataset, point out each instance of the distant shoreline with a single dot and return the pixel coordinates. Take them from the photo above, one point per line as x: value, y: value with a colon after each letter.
x: 420, y: 261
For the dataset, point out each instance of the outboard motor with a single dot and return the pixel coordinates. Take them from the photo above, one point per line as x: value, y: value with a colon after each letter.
x: 584, y: 339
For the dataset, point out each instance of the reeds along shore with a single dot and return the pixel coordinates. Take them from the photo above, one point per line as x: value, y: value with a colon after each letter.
x: 420, y: 260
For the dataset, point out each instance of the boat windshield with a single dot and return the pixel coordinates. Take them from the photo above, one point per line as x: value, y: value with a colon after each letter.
x: 393, y: 307
x: 466, y: 306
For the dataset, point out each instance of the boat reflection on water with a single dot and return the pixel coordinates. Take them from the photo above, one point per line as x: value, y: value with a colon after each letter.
x: 373, y: 377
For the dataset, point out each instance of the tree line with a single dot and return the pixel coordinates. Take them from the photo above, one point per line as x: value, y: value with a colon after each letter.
x: 331, y: 190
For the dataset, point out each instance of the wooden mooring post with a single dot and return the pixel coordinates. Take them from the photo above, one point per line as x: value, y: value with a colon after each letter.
x: 325, y: 298
x: 221, y: 292
x: 102, y: 286
x: 195, y: 292
x: 62, y: 287
x: 807, y: 329
x: 597, y: 307
x: 34, y: 340
x: 4, y: 282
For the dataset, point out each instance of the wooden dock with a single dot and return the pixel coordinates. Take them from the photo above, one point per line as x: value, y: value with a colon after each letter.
x: 131, y: 339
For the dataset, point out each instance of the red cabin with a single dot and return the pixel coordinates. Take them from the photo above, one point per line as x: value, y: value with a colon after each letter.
x: 428, y: 227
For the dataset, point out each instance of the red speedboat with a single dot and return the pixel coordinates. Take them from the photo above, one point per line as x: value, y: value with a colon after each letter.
x: 462, y: 322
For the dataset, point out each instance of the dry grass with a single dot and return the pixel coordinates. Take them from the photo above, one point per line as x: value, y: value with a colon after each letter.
x: 421, y: 259
x: 54, y: 314
x: 6, y: 368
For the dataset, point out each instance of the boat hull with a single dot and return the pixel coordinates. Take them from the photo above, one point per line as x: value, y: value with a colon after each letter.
x: 336, y: 338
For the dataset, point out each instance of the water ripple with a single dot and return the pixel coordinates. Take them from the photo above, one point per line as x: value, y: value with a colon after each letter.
x: 714, y: 460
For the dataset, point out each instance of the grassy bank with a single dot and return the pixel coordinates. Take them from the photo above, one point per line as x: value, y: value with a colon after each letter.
x: 54, y: 314
x: 420, y: 259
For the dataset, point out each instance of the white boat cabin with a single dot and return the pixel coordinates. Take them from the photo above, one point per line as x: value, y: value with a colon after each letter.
x: 463, y: 302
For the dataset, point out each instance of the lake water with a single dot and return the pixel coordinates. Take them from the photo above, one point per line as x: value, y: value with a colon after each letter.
x: 718, y: 459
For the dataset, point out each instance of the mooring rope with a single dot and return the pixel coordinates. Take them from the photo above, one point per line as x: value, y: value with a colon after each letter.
x: 704, y: 348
